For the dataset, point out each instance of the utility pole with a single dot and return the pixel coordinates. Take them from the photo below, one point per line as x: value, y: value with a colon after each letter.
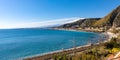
x: 63, y: 51
x: 74, y: 47
x: 89, y: 42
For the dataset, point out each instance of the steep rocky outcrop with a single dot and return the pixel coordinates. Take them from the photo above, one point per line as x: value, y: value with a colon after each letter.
x: 116, y: 21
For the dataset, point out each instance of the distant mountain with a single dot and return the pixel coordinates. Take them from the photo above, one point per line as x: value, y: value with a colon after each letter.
x: 40, y: 24
x: 110, y: 20
x: 80, y: 23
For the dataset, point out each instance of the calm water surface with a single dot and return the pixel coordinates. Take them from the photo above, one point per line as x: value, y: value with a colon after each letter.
x: 18, y: 43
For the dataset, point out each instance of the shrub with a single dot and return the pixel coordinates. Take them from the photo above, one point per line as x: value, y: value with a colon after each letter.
x: 112, y: 43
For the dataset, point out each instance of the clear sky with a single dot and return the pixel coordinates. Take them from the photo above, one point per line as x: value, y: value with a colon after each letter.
x: 14, y: 12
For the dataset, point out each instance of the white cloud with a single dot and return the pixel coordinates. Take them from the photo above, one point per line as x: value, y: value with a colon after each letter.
x: 37, y: 24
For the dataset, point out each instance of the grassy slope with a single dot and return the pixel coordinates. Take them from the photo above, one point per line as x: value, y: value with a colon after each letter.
x: 97, y: 53
x: 109, y: 19
x: 102, y: 21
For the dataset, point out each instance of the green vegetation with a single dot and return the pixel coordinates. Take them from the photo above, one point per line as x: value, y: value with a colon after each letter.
x: 114, y: 43
x: 97, y: 53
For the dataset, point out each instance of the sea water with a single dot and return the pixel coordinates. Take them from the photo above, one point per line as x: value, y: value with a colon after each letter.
x: 18, y: 43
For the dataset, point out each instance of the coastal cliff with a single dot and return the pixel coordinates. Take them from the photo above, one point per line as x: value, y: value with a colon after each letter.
x: 96, y: 24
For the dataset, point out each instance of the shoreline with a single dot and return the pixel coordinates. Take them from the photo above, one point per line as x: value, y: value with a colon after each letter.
x: 69, y: 50
x: 57, y: 51
x: 65, y: 51
x: 84, y: 30
x: 76, y: 30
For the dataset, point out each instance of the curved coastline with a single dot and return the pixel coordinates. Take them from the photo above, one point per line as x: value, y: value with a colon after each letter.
x: 78, y: 48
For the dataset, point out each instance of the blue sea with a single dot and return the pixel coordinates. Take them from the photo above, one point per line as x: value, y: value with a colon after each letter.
x: 19, y: 43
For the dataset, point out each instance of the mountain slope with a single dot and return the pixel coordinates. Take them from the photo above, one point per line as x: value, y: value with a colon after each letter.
x: 80, y: 23
x: 110, y: 20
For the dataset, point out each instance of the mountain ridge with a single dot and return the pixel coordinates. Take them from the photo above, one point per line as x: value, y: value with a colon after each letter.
x: 110, y: 20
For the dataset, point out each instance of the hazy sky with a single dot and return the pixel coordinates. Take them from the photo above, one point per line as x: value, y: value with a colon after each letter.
x: 13, y: 12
